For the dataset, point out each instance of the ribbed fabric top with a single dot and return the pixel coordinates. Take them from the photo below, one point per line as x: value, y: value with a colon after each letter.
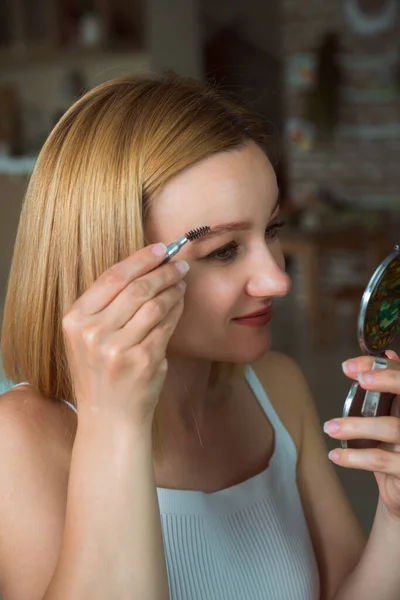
x: 247, y: 542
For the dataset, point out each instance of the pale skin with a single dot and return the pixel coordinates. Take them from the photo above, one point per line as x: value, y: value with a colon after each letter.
x: 65, y: 494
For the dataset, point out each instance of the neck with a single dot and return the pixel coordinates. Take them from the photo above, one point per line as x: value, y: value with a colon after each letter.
x: 188, y: 404
x: 186, y: 388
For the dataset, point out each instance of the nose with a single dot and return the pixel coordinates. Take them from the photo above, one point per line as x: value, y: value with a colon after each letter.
x: 269, y: 279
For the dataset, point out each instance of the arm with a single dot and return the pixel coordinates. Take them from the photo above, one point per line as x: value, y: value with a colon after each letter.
x: 94, y: 534
x: 112, y: 545
x: 377, y: 574
x: 350, y: 568
x: 336, y: 534
x: 116, y: 334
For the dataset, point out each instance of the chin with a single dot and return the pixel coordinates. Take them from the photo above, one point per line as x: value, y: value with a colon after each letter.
x: 245, y: 352
x: 243, y: 349
x: 241, y: 356
x: 250, y: 346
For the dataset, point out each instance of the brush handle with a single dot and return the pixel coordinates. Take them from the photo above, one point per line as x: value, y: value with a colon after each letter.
x: 173, y: 248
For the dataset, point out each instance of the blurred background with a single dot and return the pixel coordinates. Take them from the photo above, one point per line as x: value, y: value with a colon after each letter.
x: 325, y: 76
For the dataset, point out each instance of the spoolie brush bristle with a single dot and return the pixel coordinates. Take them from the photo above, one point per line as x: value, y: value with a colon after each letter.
x: 195, y: 234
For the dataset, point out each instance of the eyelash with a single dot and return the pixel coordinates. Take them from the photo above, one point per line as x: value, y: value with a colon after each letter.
x: 271, y: 233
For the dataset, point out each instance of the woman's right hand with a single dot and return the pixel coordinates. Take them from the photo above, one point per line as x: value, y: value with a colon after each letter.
x: 117, y: 333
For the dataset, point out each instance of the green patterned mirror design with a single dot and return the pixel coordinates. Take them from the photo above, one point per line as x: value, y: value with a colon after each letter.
x: 380, y: 309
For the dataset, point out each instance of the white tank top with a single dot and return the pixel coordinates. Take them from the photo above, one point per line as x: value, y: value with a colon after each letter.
x: 247, y: 542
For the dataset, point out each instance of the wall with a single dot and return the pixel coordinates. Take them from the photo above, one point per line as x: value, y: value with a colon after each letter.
x: 360, y: 162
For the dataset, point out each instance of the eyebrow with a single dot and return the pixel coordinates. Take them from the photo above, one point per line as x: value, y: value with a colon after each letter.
x: 233, y: 226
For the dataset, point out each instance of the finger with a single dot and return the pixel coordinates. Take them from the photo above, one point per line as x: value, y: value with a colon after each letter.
x: 353, y: 366
x: 141, y: 291
x: 157, y: 340
x: 392, y: 355
x: 117, y: 277
x: 363, y: 364
x: 148, y: 354
x: 375, y: 460
x: 150, y: 316
x: 381, y: 429
x: 382, y: 380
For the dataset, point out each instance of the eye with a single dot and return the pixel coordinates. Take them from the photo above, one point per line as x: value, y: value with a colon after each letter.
x: 271, y: 232
x: 226, y: 253
x: 229, y: 252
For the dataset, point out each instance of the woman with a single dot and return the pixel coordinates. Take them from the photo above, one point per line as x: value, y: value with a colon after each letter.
x: 196, y: 478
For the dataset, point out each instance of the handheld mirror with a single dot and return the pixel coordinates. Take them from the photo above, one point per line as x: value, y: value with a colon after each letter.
x: 378, y: 327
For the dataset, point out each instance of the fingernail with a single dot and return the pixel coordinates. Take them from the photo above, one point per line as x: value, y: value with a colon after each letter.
x: 159, y: 249
x: 331, y: 427
x: 366, y: 378
x: 334, y: 455
x: 182, y: 266
x: 350, y: 366
x: 181, y: 285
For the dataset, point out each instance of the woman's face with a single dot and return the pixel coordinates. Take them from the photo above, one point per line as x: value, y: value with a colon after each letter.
x: 235, y: 271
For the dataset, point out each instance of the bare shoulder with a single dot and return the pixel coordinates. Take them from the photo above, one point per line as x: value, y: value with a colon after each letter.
x: 287, y: 389
x: 36, y: 437
x: 43, y: 424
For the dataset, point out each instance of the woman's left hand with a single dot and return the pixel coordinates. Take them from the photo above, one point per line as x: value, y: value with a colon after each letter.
x: 384, y: 460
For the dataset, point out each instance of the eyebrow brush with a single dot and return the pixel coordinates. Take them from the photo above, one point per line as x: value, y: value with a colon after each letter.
x: 193, y: 234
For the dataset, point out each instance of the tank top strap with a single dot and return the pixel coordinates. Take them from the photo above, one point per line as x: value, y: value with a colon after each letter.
x: 18, y: 384
x: 72, y: 406
x: 67, y: 402
x: 283, y: 439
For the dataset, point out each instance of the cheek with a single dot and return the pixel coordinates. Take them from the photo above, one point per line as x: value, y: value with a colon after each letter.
x: 212, y: 294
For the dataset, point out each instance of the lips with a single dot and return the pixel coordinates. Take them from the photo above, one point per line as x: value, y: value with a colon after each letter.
x: 256, y: 318
x: 257, y: 313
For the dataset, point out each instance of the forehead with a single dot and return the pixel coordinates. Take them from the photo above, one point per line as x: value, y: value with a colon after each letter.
x: 234, y: 185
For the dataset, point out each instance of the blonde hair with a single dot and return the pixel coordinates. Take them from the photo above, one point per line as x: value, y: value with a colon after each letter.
x: 87, y: 201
